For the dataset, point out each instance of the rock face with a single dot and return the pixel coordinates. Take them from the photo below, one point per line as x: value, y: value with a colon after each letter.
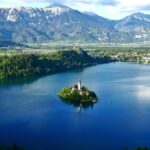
x: 59, y: 22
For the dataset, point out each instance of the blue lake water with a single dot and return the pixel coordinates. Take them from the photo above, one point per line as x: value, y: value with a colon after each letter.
x: 34, y: 117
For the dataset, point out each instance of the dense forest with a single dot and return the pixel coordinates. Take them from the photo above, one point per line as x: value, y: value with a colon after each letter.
x: 25, y: 65
x: 31, y: 64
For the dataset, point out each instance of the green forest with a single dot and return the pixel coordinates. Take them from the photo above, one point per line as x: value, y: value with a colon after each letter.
x: 25, y: 65
x: 44, y: 62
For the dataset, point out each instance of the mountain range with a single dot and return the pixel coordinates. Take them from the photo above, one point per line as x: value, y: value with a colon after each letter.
x: 61, y: 23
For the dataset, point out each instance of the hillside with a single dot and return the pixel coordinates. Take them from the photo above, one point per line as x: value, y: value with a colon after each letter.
x: 11, y: 44
x: 61, y: 23
x: 56, y: 22
x: 29, y: 65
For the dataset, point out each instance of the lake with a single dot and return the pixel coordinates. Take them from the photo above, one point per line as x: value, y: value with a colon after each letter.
x: 32, y: 115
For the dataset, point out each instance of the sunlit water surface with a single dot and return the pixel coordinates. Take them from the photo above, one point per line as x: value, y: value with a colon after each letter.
x: 32, y: 115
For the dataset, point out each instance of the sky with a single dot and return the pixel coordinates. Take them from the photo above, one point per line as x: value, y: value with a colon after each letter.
x: 112, y: 9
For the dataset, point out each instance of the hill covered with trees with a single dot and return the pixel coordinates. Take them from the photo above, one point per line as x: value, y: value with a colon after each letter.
x: 29, y: 65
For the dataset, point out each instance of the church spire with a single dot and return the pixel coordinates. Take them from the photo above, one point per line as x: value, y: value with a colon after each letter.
x: 79, y: 85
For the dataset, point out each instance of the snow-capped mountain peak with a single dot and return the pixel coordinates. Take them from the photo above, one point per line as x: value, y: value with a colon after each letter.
x: 59, y: 22
x: 141, y: 17
x: 13, y: 14
x: 90, y: 13
x: 57, y: 9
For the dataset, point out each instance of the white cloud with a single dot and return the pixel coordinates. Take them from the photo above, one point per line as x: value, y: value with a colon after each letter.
x: 115, y: 9
x: 108, y: 8
x: 132, y: 5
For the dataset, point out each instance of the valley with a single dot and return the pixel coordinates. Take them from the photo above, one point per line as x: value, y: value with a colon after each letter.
x: 48, y: 59
x: 74, y: 75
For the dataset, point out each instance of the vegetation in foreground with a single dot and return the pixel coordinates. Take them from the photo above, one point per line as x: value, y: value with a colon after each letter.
x: 28, y: 65
x: 12, y: 147
x: 16, y: 147
x: 142, y: 148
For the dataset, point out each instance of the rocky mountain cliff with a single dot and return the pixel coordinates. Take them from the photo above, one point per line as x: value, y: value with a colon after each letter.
x: 59, y: 22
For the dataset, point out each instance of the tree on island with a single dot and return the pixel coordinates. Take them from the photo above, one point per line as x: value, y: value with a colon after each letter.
x: 78, y: 95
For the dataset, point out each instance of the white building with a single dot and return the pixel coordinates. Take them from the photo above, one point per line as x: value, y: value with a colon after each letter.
x: 79, y: 85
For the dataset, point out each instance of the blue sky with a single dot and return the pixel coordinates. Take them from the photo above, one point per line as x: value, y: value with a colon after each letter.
x: 113, y: 9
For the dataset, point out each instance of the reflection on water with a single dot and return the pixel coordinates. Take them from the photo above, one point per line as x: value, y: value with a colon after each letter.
x: 28, y: 80
x: 143, y: 92
x: 17, y: 81
x: 79, y: 105
x: 33, y: 116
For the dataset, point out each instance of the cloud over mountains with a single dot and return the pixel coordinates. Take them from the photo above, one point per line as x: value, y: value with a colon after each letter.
x: 109, y: 8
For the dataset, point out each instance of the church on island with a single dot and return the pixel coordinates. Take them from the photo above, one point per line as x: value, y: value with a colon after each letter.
x: 78, y: 94
x: 78, y: 87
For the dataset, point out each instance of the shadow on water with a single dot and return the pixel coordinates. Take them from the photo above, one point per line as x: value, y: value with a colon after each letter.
x: 80, y: 105
x: 28, y: 80
x: 17, y: 81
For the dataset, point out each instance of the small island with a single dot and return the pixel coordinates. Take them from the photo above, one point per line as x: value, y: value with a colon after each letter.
x: 78, y: 95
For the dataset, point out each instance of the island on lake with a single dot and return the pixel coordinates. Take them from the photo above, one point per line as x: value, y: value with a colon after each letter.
x: 78, y: 95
